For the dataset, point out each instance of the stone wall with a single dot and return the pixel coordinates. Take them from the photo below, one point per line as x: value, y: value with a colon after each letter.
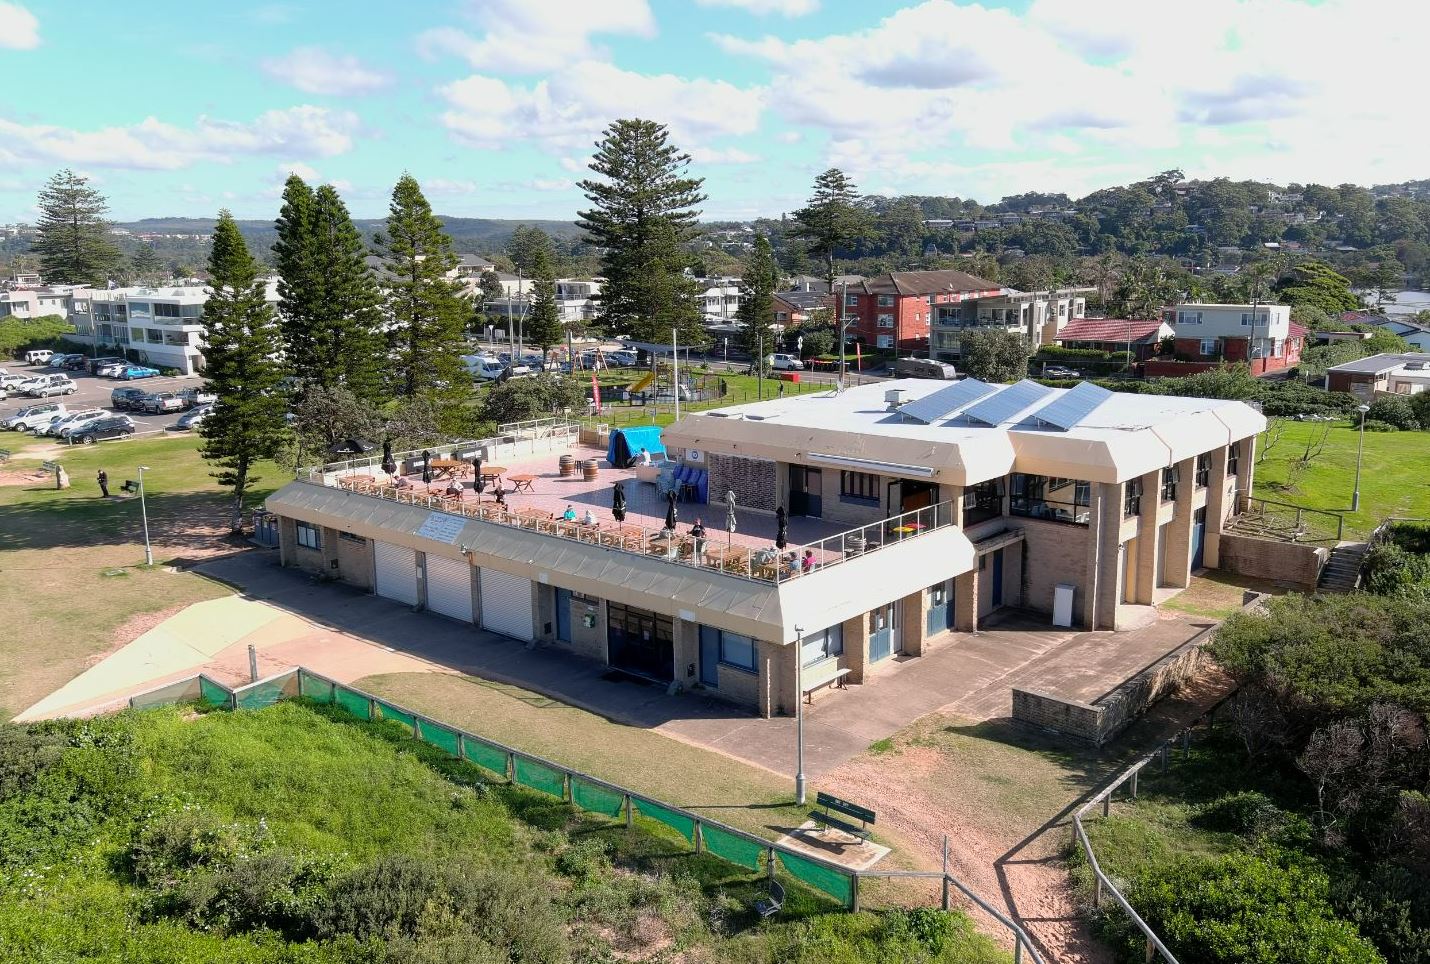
x: 1290, y: 564
x: 752, y: 481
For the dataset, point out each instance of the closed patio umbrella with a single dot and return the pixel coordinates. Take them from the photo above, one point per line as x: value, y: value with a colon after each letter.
x: 426, y: 466
x: 388, y: 465
x: 670, y: 513
x: 730, y: 517
x: 618, y: 503
x: 479, y: 485
x: 781, y: 528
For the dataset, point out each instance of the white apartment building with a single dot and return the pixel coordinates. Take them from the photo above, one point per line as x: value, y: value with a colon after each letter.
x: 1037, y: 315
x: 575, y: 301
x: 719, y: 299
x: 35, y: 302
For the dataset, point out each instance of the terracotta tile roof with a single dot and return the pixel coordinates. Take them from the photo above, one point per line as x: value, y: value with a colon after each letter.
x: 1110, y: 329
x: 926, y: 283
x: 1299, y: 331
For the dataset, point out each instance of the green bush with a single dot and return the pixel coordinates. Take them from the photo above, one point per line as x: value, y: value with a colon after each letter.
x: 1240, y: 909
x: 1412, y: 536
x: 1376, y: 425
x: 1058, y: 351
x: 1393, y: 410
x: 1388, y: 570
x: 1247, y: 813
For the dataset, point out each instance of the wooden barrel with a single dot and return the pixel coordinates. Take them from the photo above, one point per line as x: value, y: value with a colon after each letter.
x: 568, y: 466
x: 589, y: 469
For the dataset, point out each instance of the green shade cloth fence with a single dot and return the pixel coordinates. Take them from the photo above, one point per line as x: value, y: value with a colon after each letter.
x: 596, y: 799
x: 727, y: 846
x: 356, y: 705
x: 388, y: 712
x: 821, y: 878
x: 317, y: 690
x: 539, y: 776
x: 484, y: 755
x: 212, y: 692
x: 260, y: 695
x: 679, y: 822
x: 441, y: 737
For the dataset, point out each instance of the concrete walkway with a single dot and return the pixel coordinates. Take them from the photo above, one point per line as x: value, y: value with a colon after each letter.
x: 970, y: 675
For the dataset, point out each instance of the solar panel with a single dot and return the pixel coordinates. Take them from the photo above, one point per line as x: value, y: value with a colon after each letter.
x: 931, y: 408
x: 1007, y: 403
x: 1073, y: 407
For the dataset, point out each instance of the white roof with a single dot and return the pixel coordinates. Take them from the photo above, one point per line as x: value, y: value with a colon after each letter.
x: 1125, y: 436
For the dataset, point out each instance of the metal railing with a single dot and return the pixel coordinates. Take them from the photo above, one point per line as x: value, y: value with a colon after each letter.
x: 296, y: 683
x: 1287, y: 522
x: 508, y: 441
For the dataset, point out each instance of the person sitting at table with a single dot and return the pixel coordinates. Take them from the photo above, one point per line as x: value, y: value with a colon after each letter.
x: 807, y: 563
x: 402, y: 482
x: 569, y: 515
x: 501, y: 498
x: 454, y: 489
x: 589, y: 518
x: 643, y: 458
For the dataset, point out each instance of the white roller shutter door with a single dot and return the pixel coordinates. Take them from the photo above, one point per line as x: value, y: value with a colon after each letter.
x: 396, y: 572
x: 449, y: 587
x: 506, y: 604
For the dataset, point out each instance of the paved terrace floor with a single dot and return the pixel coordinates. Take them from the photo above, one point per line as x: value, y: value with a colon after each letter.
x: 971, y: 674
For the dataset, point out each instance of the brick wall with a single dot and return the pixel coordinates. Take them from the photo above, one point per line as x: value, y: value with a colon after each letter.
x: 752, y: 481
x: 354, y: 560
x: 1056, y: 553
x: 1289, y: 564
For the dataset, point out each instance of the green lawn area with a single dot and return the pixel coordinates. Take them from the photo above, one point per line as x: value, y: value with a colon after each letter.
x: 1393, y: 477
x: 71, y: 563
x: 295, y: 834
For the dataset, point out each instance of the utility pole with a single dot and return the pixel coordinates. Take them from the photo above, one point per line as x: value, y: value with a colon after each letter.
x: 675, y: 368
x: 839, y: 324
x: 799, y: 788
x: 144, y: 514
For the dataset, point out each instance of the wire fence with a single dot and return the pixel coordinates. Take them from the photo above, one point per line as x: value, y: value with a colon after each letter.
x: 592, y: 795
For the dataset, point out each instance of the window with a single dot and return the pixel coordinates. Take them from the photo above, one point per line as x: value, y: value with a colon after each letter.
x: 166, y: 311
x: 1171, y: 475
x: 139, y: 309
x: 1204, y: 470
x: 154, y: 336
x: 1053, y: 498
x: 1233, y: 460
x: 886, y: 321
x: 982, y: 502
x: 859, y: 487
x: 1277, y: 345
x: 825, y: 644
x: 884, y: 341
x: 308, y: 536
x: 1189, y: 317
x: 1246, y: 319
x: 886, y: 301
x: 1132, y: 498
x: 737, y: 650
x: 1208, y: 347
x: 851, y: 300
x: 191, y: 311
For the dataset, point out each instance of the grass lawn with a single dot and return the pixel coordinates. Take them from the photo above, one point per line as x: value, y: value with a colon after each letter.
x: 668, y: 769
x: 1393, y: 478
x: 264, y: 836
x: 71, y: 563
x: 1216, y: 594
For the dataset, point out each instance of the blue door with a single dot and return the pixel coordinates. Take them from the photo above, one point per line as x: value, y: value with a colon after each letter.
x: 709, y: 656
x: 563, y: 615
x: 883, y: 632
x: 997, y: 578
x: 1199, y: 535
x: 940, y: 608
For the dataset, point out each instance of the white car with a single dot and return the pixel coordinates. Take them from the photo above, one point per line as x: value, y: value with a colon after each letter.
x: 39, y: 356
x: 69, y: 419
x: 112, y: 371
x: 786, y: 363
x: 52, y: 385
x: 34, y: 416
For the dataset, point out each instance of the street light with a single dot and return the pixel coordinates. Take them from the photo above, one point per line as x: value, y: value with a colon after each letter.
x: 144, y: 514
x: 799, y: 715
x: 1360, y: 450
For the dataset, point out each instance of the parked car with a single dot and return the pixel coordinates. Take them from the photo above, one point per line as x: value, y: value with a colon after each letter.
x: 61, y: 362
x: 624, y: 357
x: 76, y: 362
x: 194, y: 397
x: 33, y: 416
x: 118, y: 426
x: 11, y: 382
x: 113, y: 369
x: 786, y: 363
x: 68, y: 431
x: 138, y: 371
x: 39, y: 356
x: 924, y: 368
x: 193, y: 418
x: 95, y: 364
x: 160, y: 403
x: 126, y: 398
x: 50, y: 385
x: 1059, y: 371
x: 70, y: 418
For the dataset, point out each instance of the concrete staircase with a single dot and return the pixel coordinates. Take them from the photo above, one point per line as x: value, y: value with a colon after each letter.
x: 1342, y: 570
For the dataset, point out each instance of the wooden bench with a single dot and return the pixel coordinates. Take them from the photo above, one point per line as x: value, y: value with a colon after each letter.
x: 836, y: 678
x: 864, y: 815
x: 130, y: 486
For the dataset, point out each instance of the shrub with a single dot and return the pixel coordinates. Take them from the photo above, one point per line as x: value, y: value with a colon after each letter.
x: 1389, y: 569
x: 1375, y: 425
x: 1412, y: 536
x: 1393, y: 410
x: 1247, y: 813
x: 25, y: 753
x: 1240, y: 908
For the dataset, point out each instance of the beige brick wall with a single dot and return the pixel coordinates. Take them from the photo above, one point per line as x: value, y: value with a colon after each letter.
x: 1056, y: 552
x: 852, y: 513
x: 1284, y: 563
x: 915, y: 626
x: 856, y: 646
x: 355, y: 561
x: 587, y: 640
x: 966, y: 591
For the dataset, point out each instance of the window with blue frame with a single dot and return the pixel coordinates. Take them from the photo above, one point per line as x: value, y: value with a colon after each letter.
x: 824, y: 644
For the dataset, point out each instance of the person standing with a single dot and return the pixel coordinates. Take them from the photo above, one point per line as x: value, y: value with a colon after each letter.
x: 697, y: 532
x: 103, y: 484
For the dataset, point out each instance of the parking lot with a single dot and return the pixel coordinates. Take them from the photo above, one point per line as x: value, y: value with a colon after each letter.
x: 94, y: 393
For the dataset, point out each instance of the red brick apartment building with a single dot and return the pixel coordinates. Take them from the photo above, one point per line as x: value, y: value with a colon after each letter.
x: 894, y: 310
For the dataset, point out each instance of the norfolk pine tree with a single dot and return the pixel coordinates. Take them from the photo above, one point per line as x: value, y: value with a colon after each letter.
x: 346, y: 339
x: 543, y: 325
x: 834, y: 218
x: 242, y: 369
x: 145, y: 264
x: 73, y: 243
x: 295, y: 257
x: 429, y: 312
x: 642, y: 215
x: 757, y: 304
x: 525, y: 244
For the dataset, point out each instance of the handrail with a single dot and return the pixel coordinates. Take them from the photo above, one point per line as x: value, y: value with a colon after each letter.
x: 1301, y: 513
x: 536, y: 429
x: 1022, y: 942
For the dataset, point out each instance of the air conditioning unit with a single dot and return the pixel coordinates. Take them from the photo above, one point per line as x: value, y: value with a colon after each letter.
x: 893, y: 398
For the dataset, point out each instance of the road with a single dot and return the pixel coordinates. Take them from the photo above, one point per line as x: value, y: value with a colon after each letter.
x: 94, y: 393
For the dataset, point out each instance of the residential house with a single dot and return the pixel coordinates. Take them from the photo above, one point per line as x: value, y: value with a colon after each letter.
x: 794, y: 308
x: 1036, y: 315
x: 1394, y: 374
x: 1142, y: 337
x: 1207, y: 335
x: 35, y: 302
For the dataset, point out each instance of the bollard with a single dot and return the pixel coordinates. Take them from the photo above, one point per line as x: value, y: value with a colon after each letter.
x: 1097, y: 894
x: 945, y: 871
x: 1186, y: 744
x: 1107, y: 804
x: 1164, y: 757
x: 252, y: 663
x: 1134, y: 782
x: 630, y: 813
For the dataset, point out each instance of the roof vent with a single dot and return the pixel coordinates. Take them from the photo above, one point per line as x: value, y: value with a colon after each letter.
x: 894, y: 397
x: 1412, y: 366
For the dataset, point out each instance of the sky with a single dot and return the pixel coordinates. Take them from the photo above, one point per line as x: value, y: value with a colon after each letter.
x: 181, y: 108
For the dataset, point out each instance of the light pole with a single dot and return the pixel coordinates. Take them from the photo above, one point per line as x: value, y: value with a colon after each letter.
x: 1360, y: 450
x: 144, y: 514
x: 799, y: 715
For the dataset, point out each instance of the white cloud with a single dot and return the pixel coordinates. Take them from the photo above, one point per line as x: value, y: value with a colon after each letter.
x: 722, y: 155
x: 158, y: 145
x: 532, y: 36
x: 549, y: 184
x: 19, y: 29
x: 447, y: 187
x: 306, y: 171
x: 568, y: 110
x: 785, y: 8
x: 314, y: 70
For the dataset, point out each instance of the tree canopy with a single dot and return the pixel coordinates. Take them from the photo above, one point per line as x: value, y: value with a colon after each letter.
x: 74, y: 243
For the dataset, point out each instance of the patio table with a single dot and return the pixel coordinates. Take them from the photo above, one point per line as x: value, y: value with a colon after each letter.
x: 521, y: 483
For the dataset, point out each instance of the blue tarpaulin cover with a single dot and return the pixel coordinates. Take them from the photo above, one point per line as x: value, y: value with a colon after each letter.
x: 626, y: 442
